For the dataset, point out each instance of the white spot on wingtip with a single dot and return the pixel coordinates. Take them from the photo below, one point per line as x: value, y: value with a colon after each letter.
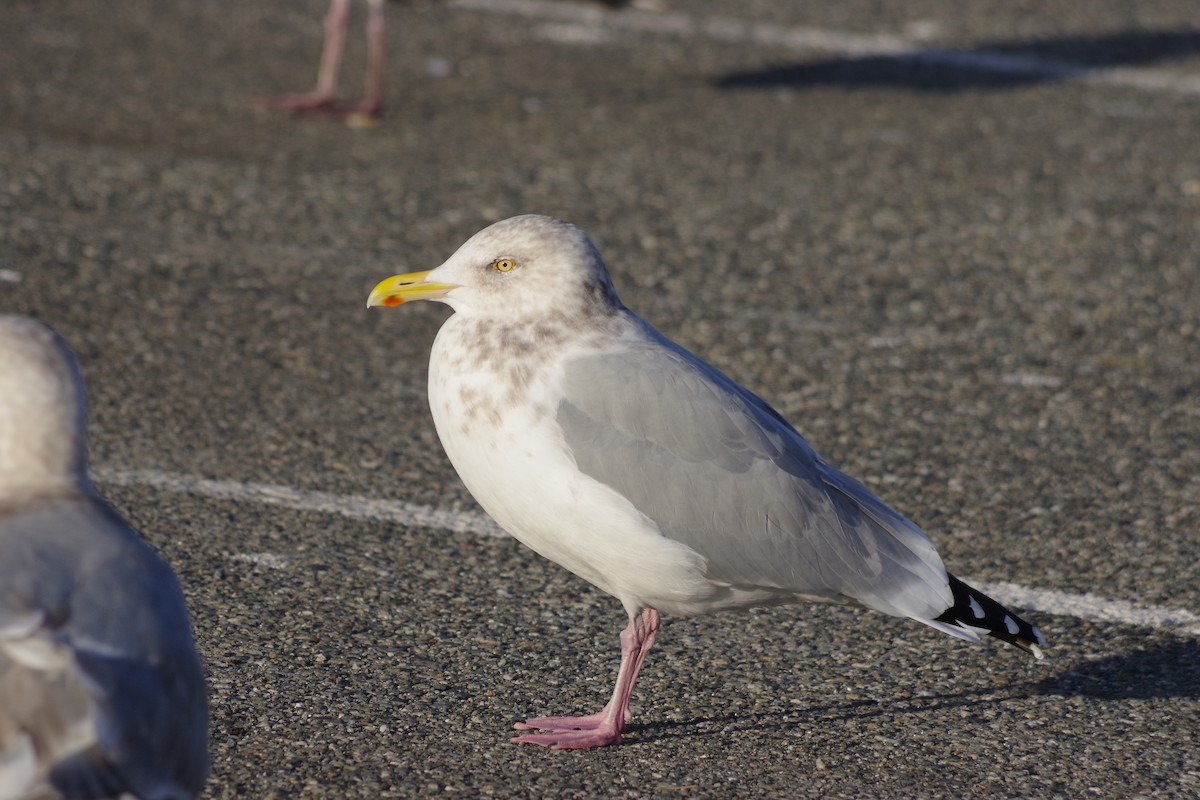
x: 976, y: 609
x: 1011, y: 624
x: 1037, y: 652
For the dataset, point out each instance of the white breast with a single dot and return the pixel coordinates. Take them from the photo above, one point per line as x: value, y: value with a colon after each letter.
x: 508, y: 449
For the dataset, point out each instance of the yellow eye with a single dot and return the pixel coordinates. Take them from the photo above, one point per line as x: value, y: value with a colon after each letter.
x: 504, y: 264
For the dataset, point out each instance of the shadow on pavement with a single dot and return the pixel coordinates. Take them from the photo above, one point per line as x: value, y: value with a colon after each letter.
x: 836, y: 711
x: 1000, y: 65
x: 1172, y: 670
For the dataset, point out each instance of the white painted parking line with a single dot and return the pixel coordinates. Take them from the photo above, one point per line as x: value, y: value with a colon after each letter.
x: 721, y: 29
x: 1092, y: 607
x: 1081, y: 606
x: 266, y: 560
x: 410, y: 514
x: 853, y: 45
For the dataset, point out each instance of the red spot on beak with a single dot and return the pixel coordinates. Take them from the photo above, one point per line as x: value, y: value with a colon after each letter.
x: 393, y: 301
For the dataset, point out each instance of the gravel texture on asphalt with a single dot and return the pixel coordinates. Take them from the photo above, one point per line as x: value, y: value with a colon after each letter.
x: 977, y: 292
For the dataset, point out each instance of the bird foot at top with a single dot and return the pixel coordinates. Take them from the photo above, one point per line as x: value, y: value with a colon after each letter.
x: 319, y: 104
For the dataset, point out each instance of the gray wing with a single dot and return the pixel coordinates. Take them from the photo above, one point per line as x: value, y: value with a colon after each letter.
x: 100, y: 682
x: 722, y: 472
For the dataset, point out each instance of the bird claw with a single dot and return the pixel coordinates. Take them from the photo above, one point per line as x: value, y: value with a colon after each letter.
x: 364, y: 115
x: 572, y: 733
x: 312, y: 103
x: 571, y: 739
x: 562, y: 724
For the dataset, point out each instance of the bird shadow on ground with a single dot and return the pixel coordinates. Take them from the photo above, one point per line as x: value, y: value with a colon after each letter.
x: 996, y: 65
x: 837, y: 711
x: 1169, y: 670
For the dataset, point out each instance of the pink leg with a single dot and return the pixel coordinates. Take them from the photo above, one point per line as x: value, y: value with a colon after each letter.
x: 331, y: 58
x: 320, y: 101
x: 372, y: 102
x: 605, y: 726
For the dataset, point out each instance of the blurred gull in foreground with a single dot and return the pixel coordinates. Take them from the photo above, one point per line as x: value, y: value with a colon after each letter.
x: 616, y: 453
x: 102, y: 694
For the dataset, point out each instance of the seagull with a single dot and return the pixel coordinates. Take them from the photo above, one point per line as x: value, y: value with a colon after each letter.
x: 614, y: 452
x: 102, y: 693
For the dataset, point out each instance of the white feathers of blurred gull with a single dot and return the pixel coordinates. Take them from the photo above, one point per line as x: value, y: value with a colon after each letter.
x: 102, y: 693
x: 614, y: 452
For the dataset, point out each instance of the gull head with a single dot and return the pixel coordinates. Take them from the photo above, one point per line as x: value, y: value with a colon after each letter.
x: 42, y: 409
x: 520, y: 268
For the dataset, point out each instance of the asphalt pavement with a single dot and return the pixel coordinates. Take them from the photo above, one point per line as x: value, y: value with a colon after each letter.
x: 958, y: 246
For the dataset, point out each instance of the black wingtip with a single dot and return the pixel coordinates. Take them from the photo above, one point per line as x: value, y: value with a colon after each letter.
x: 976, y: 611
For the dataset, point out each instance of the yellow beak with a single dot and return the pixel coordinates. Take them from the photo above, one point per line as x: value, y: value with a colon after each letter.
x: 402, y: 288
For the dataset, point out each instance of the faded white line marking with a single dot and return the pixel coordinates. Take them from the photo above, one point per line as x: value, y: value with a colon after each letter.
x: 1081, y: 606
x: 816, y: 40
x: 1031, y: 379
x: 267, y: 560
x: 410, y: 514
x: 733, y: 31
x: 1092, y: 607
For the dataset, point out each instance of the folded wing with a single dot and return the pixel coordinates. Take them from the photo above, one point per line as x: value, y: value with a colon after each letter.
x: 719, y: 470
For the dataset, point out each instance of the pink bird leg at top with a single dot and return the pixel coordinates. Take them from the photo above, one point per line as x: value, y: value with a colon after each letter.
x: 320, y: 101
